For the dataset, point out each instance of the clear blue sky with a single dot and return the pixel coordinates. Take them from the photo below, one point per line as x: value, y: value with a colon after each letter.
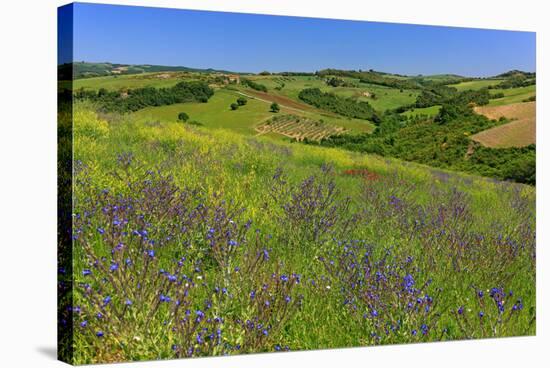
x: 245, y: 42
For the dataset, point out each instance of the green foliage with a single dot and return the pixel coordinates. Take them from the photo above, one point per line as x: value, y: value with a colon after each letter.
x: 516, y: 78
x: 253, y: 85
x: 338, y: 82
x: 241, y: 101
x: 275, y: 107
x: 444, y: 141
x: 342, y: 106
x: 182, y: 116
x: 234, y: 106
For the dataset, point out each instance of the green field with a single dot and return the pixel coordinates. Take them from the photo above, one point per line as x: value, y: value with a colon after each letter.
x: 217, y: 114
x: 115, y: 83
x: 476, y: 84
x: 428, y: 111
x: 513, y: 95
x: 386, y: 97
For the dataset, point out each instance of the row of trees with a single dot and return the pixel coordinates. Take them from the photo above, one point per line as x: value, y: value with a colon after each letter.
x: 136, y: 99
x: 343, y: 106
x: 254, y: 85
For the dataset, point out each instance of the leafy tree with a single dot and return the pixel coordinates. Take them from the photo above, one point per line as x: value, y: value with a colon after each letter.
x: 275, y: 107
x: 234, y: 106
x: 182, y: 116
x: 241, y: 101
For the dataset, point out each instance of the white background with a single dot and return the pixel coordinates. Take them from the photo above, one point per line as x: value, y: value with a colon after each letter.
x: 28, y: 181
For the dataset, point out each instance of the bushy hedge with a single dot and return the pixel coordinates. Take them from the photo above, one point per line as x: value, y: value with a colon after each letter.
x: 254, y: 85
x: 342, y: 106
x: 136, y: 99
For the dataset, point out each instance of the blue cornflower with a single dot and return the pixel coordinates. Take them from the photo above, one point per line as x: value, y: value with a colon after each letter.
x: 99, y: 315
x: 114, y: 267
x: 277, y: 347
x: 481, y: 314
x: 408, y: 282
x: 414, y: 332
x: 267, y: 303
x: 265, y: 254
x: 519, y: 303
x: 84, y: 323
x: 287, y: 299
x: 460, y: 310
x: 100, y: 230
x: 265, y: 332
x: 172, y: 278
x: 284, y: 278
x: 252, y: 294
x: 99, y: 334
x: 164, y: 298
x: 151, y: 253
x: 128, y: 302
x: 232, y: 243
x: 200, y: 315
x: 86, y: 272
x: 480, y: 293
x: 374, y: 313
x: 106, y: 300
x: 424, y: 329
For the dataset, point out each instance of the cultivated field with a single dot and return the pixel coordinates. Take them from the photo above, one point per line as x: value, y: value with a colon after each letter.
x: 521, y: 131
x: 298, y: 128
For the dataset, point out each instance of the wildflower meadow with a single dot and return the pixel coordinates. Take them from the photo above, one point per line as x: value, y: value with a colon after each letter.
x: 187, y: 241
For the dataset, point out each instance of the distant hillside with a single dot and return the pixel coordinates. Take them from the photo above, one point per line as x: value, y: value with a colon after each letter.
x: 516, y: 73
x: 90, y: 70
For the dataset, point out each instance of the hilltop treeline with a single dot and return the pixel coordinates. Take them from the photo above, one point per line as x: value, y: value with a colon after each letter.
x: 136, y: 99
x: 518, y: 79
x: 448, y: 96
x: 79, y: 70
x: 390, y: 80
x: 339, y: 105
x: 444, y: 141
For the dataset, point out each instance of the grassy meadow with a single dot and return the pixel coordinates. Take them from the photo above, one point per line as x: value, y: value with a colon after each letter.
x: 514, y: 95
x: 191, y: 241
